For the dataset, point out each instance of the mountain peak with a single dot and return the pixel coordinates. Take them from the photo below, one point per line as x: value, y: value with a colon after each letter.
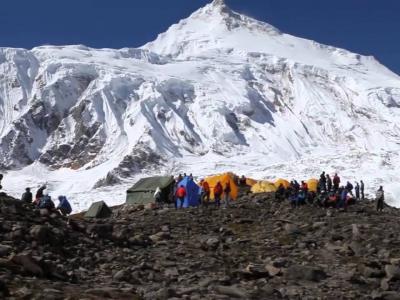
x: 218, y: 3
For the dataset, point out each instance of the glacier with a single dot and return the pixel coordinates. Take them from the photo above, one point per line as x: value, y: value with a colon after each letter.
x: 218, y: 91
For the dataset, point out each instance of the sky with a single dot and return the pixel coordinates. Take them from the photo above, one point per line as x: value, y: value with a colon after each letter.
x: 368, y: 27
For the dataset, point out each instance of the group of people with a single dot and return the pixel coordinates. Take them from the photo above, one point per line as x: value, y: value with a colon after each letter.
x: 43, y: 200
x: 222, y: 193
x: 328, y: 193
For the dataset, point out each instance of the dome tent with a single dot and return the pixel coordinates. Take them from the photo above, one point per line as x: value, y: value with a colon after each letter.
x: 192, y: 192
x: 223, y: 179
x: 284, y: 182
x: 98, y: 210
x: 263, y: 187
x: 313, y: 185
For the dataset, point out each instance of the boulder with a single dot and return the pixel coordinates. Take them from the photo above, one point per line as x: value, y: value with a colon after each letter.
x: 28, y: 263
x: 41, y: 233
x: 4, y: 292
x: 122, y: 275
x: 307, y: 273
x: 231, y: 291
x: 392, y: 272
x: 5, y: 250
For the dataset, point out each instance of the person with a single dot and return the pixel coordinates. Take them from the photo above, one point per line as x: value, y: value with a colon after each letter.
x: 380, y: 199
x: 322, y: 182
x: 227, y: 194
x: 304, y: 186
x: 1, y: 178
x: 46, y: 202
x: 336, y: 182
x: 242, y: 181
x: 280, y: 192
x: 328, y: 182
x: 296, y: 186
x: 180, y: 195
x: 64, y: 207
x: 218, y: 193
x: 362, y: 189
x: 349, y: 188
x: 357, y: 190
x: 191, y: 176
x: 157, y: 196
x: 205, y: 197
x: 39, y: 194
x: 179, y: 179
x: 27, y: 197
x: 343, y: 197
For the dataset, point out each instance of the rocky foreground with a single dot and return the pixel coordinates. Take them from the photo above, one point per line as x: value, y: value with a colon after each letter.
x: 256, y: 249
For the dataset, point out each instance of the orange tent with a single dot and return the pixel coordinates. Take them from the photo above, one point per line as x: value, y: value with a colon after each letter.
x: 313, y: 185
x: 280, y: 181
x: 223, y: 179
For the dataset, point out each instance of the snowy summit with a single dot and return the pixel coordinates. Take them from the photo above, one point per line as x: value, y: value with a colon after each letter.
x: 218, y: 91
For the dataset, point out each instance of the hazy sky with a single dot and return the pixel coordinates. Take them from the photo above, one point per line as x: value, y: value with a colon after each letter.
x: 369, y: 27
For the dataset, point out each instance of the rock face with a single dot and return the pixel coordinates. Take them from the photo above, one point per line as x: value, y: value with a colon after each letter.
x: 255, y: 249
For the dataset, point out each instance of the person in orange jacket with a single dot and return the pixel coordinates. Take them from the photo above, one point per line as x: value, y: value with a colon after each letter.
x: 180, y: 196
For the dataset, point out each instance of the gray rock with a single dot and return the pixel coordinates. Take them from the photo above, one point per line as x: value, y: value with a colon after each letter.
x: 212, y: 243
x: 5, y: 250
x: 121, y: 275
x: 272, y: 271
x: 231, y: 291
x: 4, y: 292
x: 291, y: 229
x: 28, y: 263
x: 41, y: 233
x: 305, y: 273
x: 392, y: 272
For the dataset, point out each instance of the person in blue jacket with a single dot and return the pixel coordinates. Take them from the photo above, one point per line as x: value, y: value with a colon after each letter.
x: 64, y: 207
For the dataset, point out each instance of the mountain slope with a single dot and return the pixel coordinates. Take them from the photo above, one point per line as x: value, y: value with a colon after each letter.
x: 218, y: 91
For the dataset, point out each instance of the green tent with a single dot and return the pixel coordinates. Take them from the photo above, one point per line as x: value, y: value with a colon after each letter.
x: 143, y: 191
x: 98, y: 210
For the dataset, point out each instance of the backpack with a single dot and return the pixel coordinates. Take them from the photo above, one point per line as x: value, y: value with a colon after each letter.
x: 46, y: 202
x: 181, y: 193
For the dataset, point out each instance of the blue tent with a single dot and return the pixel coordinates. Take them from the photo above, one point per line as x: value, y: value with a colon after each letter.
x: 192, y: 192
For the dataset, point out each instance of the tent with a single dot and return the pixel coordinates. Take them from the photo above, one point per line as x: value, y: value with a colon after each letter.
x: 250, y: 182
x: 223, y: 179
x: 284, y: 182
x: 263, y: 187
x: 143, y: 191
x: 192, y: 192
x: 313, y: 185
x: 98, y: 210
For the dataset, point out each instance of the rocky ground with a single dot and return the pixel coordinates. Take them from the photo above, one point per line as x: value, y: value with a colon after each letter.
x: 256, y: 249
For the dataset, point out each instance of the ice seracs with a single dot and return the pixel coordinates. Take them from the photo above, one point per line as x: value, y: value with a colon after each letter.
x: 217, y: 91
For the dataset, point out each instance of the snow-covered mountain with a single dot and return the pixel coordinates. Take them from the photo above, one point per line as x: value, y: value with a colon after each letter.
x: 217, y: 91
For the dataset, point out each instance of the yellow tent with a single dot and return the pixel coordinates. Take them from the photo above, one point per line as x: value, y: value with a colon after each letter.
x: 284, y: 182
x: 250, y: 182
x: 263, y: 187
x: 223, y: 179
x: 312, y: 185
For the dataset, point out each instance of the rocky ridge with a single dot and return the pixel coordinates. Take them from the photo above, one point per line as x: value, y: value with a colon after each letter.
x: 256, y: 249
